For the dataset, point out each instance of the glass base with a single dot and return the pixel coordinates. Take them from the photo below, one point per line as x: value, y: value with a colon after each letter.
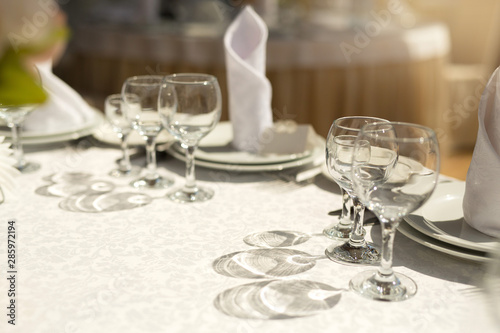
x: 117, y: 173
x: 347, y: 253
x: 199, y: 195
x: 371, y: 284
x: 338, y: 231
x: 28, y: 167
x: 155, y: 183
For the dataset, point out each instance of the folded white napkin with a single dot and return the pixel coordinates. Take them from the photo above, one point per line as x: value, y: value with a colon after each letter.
x: 64, y: 109
x: 249, y: 90
x: 481, y: 203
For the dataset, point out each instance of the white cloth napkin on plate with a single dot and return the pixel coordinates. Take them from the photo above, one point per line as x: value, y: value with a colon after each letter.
x: 64, y: 109
x: 249, y: 90
x: 481, y: 202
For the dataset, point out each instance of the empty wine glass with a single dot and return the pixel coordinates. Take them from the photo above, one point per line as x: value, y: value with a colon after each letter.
x: 339, y: 150
x: 395, y: 170
x: 190, y: 107
x: 113, y: 108
x: 14, y: 116
x: 140, y: 97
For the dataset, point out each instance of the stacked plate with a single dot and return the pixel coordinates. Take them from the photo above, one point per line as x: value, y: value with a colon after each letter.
x: 216, y: 152
x: 439, y: 224
x: 60, y: 135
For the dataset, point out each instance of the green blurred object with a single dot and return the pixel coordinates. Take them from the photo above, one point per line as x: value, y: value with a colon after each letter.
x: 17, y: 85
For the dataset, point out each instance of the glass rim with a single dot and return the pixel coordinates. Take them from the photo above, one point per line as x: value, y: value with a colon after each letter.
x: 431, y: 134
x: 378, y: 120
x: 142, y: 79
x: 203, y: 78
x: 114, y: 96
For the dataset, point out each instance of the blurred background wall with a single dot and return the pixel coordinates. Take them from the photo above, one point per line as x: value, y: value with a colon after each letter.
x: 442, y: 53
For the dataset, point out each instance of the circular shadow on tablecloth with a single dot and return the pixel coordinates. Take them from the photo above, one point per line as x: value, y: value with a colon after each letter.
x: 265, y: 263
x: 277, y: 299
x: 92, y: 202
x: 276, y: 238
x: 70, y: 183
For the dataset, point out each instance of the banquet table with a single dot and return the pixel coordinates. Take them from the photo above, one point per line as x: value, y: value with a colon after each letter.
x: 146, y: 264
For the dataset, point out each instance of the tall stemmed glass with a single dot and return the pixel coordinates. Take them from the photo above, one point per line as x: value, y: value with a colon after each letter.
x: 140, y: 97
x: 114, y: 110
x: 395, y: 170
x: 339, y: 150
x: 190, y: 107
x: 14, y: 116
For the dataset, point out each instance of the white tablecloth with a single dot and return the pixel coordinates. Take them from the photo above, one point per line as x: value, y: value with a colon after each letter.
x: 151, y: 268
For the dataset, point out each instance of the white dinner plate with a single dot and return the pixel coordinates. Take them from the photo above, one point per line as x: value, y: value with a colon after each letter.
x: 317, y: 153
x: 104, y: 133
x: 442, y: 219
x: 216, y: 148
x: 37, y: 138
x: 440, y: 246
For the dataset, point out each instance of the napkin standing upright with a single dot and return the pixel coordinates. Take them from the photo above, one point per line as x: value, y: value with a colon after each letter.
x: 249, y: 91
x: 481, y: 202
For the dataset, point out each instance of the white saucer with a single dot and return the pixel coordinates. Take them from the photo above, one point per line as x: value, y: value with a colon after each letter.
x: 435, y: 244
x: 441, y: 217
x: 37, y: 138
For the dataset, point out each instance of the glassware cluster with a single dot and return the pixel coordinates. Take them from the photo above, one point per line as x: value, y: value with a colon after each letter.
x: 392, y: 169
x: 339, y: 152
x: 188, y: 106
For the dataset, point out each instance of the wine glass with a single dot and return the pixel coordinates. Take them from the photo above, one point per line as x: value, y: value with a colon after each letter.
x: 339, y: 150
x: 140, y: 97
x: 190, y: 107
x: 395, y: 169
x: 14, y: 116
x: 122, y: 127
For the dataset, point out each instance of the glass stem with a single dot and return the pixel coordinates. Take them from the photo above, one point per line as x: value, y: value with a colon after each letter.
x: 345, y: 216
x: 190, y: 185
x: 125, y: 162
x: 17, y: 145
x: 385, y: 271
x: 357, y: 237
x: 151, y: 158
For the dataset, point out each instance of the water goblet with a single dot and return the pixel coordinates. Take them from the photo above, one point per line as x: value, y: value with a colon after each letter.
x: 113, y: 108
x: 339, y: 150
x: 14, y: 116
x: 140, y: 101
x: 190, y: 107
x: 395, y: 169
